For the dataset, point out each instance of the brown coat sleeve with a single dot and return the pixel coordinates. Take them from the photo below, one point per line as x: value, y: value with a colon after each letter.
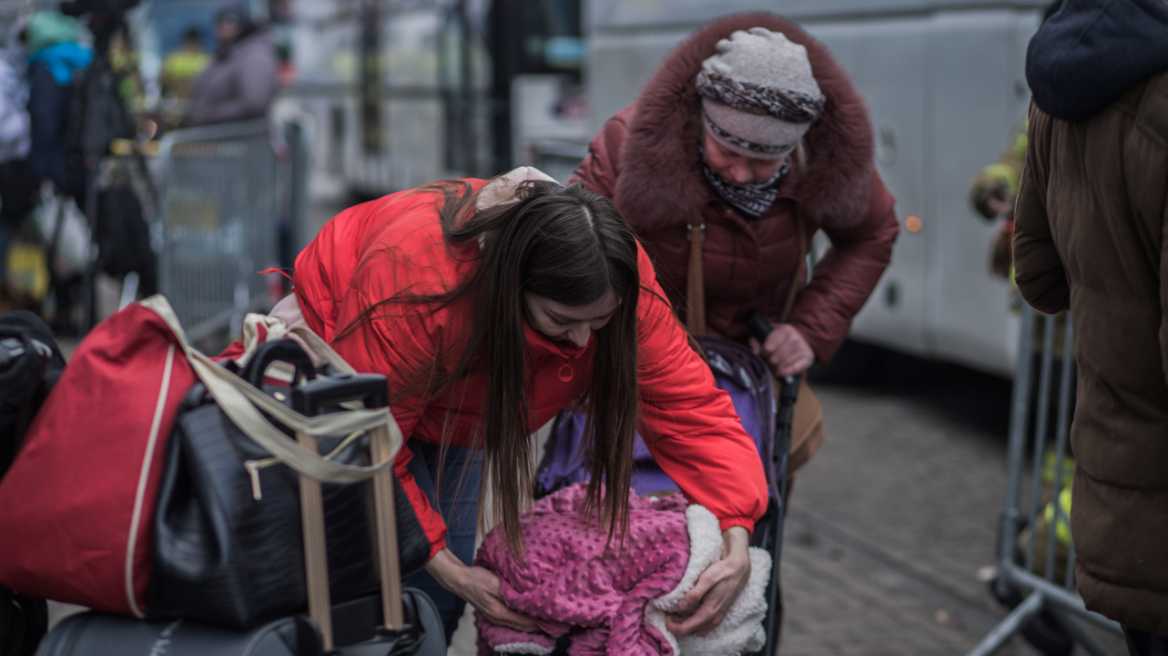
x: 1038, y: 269
x: 847, y: 274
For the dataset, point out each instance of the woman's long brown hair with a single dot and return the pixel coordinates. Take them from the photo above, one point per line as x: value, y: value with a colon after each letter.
x: 569, y: 245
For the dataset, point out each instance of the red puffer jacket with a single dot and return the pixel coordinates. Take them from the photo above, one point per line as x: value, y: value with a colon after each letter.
x: 385, y: 247
x: 646, y: 160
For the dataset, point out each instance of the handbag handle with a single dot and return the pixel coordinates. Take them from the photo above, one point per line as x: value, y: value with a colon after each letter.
x: 695, y: 316
x: 243, y: 404
x: 280, y: 350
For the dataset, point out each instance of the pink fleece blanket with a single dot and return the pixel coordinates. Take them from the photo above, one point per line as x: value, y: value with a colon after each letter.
x: 569, y: 581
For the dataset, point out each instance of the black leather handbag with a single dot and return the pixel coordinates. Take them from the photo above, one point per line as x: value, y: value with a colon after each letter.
x: 227, y: 547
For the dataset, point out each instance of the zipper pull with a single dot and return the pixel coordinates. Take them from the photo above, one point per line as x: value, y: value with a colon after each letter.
x: 253, y: 470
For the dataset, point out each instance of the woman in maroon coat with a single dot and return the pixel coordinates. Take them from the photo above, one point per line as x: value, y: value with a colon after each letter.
x: 752, y: 123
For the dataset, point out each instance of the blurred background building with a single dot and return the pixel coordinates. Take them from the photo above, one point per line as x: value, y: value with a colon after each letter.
x: 398, y: 93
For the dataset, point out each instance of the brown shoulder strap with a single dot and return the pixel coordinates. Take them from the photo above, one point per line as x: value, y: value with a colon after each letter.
x: 695, y: 312
x: 695, y: 315
x: 797, y: 281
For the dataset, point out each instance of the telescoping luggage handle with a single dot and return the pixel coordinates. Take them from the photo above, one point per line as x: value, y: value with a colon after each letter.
x: 308, y: 399
x: 243, y: 404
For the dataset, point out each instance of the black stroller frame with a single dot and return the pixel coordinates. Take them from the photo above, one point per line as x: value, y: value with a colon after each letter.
x: 771, y: 537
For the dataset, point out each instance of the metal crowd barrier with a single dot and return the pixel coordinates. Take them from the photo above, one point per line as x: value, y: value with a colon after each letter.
x: 216, y: 227
x: 1036, y: 556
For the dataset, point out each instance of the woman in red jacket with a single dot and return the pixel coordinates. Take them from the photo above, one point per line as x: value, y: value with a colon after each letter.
x: 491, y: 307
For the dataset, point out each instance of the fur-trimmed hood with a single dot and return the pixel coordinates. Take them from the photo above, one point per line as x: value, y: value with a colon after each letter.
x: 661, y: 148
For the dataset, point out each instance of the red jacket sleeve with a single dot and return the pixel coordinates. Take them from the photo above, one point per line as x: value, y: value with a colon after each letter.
x: 689, y: 425
x: 844, y: 279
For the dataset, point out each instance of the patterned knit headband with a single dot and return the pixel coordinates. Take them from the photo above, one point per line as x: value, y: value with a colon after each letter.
x: 770, y: 152
x: 785, y: 105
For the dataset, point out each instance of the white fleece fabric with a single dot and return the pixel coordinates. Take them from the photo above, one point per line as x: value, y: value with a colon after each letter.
x: 742, y: 630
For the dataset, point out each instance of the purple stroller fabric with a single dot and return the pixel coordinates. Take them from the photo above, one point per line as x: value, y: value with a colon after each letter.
x: 736, y: 370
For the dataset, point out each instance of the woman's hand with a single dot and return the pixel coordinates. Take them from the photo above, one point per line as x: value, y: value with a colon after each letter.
x: 716, y: 589
x: 786, y: 350
x: 479, y: 587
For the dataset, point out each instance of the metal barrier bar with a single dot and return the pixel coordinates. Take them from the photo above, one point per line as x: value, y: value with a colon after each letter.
x: 1010, y: 519
x: 1059, y: 597
x: 1042, y: 418
x: 216, y: 223
x: 1064, y: 410
x: 1013, y: 623
x: 1035, y: 579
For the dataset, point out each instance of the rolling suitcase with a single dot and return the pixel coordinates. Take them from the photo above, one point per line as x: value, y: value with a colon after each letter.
x: 395, y: 622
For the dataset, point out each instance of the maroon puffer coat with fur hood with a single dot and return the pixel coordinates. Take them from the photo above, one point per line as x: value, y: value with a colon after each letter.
x: 646, y: 160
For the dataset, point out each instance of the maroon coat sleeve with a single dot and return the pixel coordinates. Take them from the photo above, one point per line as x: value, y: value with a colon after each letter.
x: 601, y: 168
x: 844, y: 279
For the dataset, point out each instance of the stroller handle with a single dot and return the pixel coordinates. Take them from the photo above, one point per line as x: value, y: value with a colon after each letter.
x: 761, y: 329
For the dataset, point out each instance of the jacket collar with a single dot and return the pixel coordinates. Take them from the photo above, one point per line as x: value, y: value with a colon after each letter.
x: 540, y: 343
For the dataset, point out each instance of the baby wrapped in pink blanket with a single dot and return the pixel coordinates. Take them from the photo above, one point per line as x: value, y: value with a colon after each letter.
x: 614, y: 601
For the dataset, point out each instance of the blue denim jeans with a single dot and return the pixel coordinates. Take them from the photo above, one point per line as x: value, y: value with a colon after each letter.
x: 457, y: 501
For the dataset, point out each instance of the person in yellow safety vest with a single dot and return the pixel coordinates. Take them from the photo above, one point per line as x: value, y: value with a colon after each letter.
x: 1055, y: 512
x: 992, y: 193
x: 183, y: 65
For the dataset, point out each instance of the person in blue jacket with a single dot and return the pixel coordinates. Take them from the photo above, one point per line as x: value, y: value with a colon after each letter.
x: 54, y: 57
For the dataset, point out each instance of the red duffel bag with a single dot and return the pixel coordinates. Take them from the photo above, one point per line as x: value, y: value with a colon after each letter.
x: 76, y: 506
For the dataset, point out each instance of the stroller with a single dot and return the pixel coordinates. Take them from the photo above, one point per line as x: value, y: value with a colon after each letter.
x: 745, y: 376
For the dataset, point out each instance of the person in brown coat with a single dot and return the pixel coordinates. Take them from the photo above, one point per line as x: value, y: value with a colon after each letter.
x: 1091, y: 223
x: 752, y: 126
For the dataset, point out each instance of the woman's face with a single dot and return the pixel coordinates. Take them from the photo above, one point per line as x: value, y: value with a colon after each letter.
x: 738, y: 169
x: 569, y: 323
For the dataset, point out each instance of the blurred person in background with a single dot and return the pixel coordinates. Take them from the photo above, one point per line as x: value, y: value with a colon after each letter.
x: 54, y: 57
x: 240, y: 81
x: 184, y: 64
x: 993, y: 190
x: 991, y: 195
x: 17, y: 193
x: 1091, y: 219
x: 751, y: 128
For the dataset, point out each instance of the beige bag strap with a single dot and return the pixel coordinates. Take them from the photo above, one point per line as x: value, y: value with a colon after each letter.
x: 243, y: 404
x: 695, y: 313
